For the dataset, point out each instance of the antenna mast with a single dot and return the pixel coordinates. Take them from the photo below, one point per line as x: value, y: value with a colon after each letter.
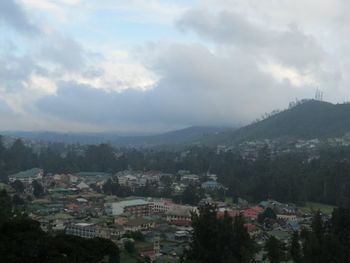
x: 319, y: 95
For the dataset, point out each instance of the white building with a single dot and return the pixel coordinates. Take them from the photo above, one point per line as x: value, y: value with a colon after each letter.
x: 137, y: 207
x: 161, y: 206
x: 180, y: 213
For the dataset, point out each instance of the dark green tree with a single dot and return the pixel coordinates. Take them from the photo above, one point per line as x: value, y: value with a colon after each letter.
x: 38, y: 189
x: 129, y: 246
x: 273, y: 248
x: 295, y: 248
x: 219, y: 239
x: 22, y: 240
x: 18, y: 186
x: 5, y: 206
x: 317, y: 225
x: 267, y: 214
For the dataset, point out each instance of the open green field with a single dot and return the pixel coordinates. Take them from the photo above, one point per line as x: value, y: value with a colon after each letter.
x: 125, y: 257
x: 311, y: 206
x: 228, y: 200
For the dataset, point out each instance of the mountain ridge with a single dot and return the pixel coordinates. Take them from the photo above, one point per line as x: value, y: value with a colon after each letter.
x: 308, y: 119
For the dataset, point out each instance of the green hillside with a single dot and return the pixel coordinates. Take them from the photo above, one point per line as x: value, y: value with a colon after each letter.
x: 311, y: 119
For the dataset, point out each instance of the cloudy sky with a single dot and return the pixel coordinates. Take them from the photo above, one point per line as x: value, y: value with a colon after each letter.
x: 156, y: 65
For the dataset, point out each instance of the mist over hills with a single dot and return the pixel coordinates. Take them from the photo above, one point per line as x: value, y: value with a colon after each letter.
x: 189, y: 135
x: 305, y: 120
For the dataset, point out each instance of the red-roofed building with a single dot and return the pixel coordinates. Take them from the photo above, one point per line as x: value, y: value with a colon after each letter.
x: 252, y: 212
x: 231, y: 213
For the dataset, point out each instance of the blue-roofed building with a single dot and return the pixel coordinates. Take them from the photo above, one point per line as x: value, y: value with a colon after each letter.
x: 293, y: 225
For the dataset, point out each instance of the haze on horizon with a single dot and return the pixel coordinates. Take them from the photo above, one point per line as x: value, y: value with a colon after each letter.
x: 155, y: 65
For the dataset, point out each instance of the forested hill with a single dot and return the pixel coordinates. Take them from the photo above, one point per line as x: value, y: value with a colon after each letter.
x: 307, y: 120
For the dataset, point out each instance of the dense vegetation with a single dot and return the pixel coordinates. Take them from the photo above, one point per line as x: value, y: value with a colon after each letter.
x: 328, y: 240
x: 217, y: 239
x: 225, y: 239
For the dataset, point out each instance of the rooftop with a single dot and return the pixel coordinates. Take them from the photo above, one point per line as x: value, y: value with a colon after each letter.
x: 28, y: 173
x: 98, y: 174
x: 133, y: 202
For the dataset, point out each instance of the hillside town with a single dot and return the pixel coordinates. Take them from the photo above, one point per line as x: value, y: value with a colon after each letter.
x: 155, y: 228
x: 276, y: 147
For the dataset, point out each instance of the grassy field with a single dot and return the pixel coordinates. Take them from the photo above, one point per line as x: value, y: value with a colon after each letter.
x: 228, y: 200
x: 125, y: 257
x: 311, y: 206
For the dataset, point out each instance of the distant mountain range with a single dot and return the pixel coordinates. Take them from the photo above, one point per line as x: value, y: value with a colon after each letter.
x: 306, y: 120
x: 191, y: 135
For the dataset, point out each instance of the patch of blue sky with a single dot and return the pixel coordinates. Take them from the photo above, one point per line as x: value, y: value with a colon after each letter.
x: 13, y: 43
x: 117, y: 27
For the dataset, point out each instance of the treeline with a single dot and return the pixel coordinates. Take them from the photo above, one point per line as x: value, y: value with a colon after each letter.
x: 293, y: 177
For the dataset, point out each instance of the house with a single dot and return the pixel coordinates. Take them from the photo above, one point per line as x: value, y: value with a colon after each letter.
x: 91, y: 230
x: 179, y: 213
x: 127, y: 180
x: 82, y: 186
x: 212, y: 177
x: 211, y: 185
x: 159, y: 207
x: 287, y: 217
x: 73, y: 178
x: 138, y: 224
x: 28, y: 176
x: 136, y: 207
x: 182, y: 235
x: 190, y: 178
x: 252, y: 212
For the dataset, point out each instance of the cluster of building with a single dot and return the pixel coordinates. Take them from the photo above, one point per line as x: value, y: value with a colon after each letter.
x: 73, y: 204
x: 251, y: 149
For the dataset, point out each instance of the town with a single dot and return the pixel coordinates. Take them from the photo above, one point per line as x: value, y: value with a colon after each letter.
x: 93, y: 204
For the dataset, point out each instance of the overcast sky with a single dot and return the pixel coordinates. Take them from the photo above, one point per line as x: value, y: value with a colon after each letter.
x: 156, y: 65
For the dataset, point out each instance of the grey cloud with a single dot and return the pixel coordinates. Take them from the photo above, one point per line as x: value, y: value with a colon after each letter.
x: 5, y: 110
x: 198, y: 88
x: 224, y: 27
x: 63, y: 51
x: 289, y: 46
x: 13, y: 15
x: 14, y: 70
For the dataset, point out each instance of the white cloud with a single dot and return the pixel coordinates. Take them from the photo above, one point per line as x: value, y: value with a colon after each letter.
x: 283, y: 73
x: 143, y: 11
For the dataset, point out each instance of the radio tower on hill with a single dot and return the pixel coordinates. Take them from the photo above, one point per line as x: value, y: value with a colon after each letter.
x: 319, y: 95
